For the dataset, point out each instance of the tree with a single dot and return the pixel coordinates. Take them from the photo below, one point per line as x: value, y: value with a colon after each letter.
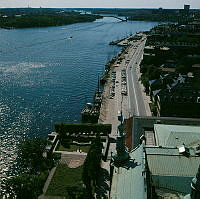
x: 30, y: 155
x: 196, y: 79
x: 23, y: 187
x: 92, y: 165
x: 32, y: 172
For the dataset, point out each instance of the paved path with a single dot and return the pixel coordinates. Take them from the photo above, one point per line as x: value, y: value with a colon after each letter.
x: 73, y: 160
x: 51, y: 173
x: 46, y: 185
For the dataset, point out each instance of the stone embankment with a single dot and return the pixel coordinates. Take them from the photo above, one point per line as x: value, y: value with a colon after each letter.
x: 115, y: 94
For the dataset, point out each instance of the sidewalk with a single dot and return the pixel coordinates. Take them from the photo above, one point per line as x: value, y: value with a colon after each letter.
x: 51, y: 173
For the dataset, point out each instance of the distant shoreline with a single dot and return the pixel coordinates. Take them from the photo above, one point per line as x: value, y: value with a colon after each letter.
x: 34, y: 18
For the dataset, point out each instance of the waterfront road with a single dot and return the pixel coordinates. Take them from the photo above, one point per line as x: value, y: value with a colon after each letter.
x: 136, y: 101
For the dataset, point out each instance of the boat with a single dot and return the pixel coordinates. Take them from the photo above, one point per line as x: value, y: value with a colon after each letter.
x: 91, y: 112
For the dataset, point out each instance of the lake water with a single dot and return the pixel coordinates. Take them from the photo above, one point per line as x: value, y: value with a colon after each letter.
x: 46, y: 77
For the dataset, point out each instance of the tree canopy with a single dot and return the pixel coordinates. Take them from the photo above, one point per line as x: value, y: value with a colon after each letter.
x: 24, y: 186
x: 44, y: 20
x: 33, y: 170
x: 30, y: 155
x: 92, y: 165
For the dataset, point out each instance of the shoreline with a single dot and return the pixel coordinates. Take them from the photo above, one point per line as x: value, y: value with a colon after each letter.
x: 110, y: 108
x: 44, y: 20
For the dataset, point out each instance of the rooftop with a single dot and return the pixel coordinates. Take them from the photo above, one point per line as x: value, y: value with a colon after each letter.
x: 170, y: 169
x: 176, y: 135
x: 123, y: 185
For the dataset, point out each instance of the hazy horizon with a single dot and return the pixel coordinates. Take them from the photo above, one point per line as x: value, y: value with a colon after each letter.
x: 166, y: 4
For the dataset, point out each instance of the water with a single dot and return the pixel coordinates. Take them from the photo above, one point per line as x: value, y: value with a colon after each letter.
x: 46, y: 77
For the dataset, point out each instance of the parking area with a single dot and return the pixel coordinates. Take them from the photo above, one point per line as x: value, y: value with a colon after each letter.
x: 115, y: 96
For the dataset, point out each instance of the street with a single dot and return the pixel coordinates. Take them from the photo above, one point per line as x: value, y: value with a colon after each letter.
x: 136, y: 102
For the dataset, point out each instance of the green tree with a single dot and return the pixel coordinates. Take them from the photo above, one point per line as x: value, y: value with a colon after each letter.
x: 196, y: 79
x: 92, y: 165
x: 30, y: 155
x: 23, y: 187
x: 149, y: 72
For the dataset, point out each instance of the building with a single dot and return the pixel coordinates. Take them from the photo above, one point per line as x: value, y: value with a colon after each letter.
x: 164, y: 162
x: 174, y: 160
x: 187, y: 8
x: 180, y: 98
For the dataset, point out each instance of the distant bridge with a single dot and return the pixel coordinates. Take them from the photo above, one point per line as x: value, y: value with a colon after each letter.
x: 121, y: 19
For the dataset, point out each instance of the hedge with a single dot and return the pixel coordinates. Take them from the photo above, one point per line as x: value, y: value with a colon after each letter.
x: 71, y: 128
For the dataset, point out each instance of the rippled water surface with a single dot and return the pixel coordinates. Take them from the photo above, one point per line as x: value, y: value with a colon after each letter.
x: 46, y: 77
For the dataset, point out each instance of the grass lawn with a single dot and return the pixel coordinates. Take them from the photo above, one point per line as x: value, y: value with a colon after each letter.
x: 73, y: 148
x: 64, y: 178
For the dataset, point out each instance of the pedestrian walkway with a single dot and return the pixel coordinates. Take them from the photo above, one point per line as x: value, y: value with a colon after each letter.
x: 46, y: 185
x: 73, y: 160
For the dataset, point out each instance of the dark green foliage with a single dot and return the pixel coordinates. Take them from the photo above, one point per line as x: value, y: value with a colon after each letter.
x: 67, y: 182
x: 178, y: 109
x: 183, y: 38
x: 28, y: 11
x: 92, y: 165
x: 196, y: 80
x: 149, y: 72
x: 71, y: 128
x: 183, y: 69
x: 153, y: 108
x: 24, y: 186
x: 30, y: 153
x: 56, y: 156
x: 144, y: 14
x: 42, y: 18
x: 154, y: 17
x: 33, y: 170
x: 152, y: 60
x: 185, y: 64
x: 65, y: 142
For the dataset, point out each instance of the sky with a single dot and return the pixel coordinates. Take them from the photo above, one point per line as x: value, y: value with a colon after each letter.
x: 100, y: 3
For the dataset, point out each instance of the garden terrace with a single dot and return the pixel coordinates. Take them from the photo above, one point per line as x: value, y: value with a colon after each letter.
x: 83, y: 129
x: 73, y: 147
x: 66, y: 182
x: 82, y: 132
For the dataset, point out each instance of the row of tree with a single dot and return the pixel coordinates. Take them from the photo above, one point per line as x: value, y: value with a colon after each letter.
x: 71, y: 128
x: 92, y: 166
